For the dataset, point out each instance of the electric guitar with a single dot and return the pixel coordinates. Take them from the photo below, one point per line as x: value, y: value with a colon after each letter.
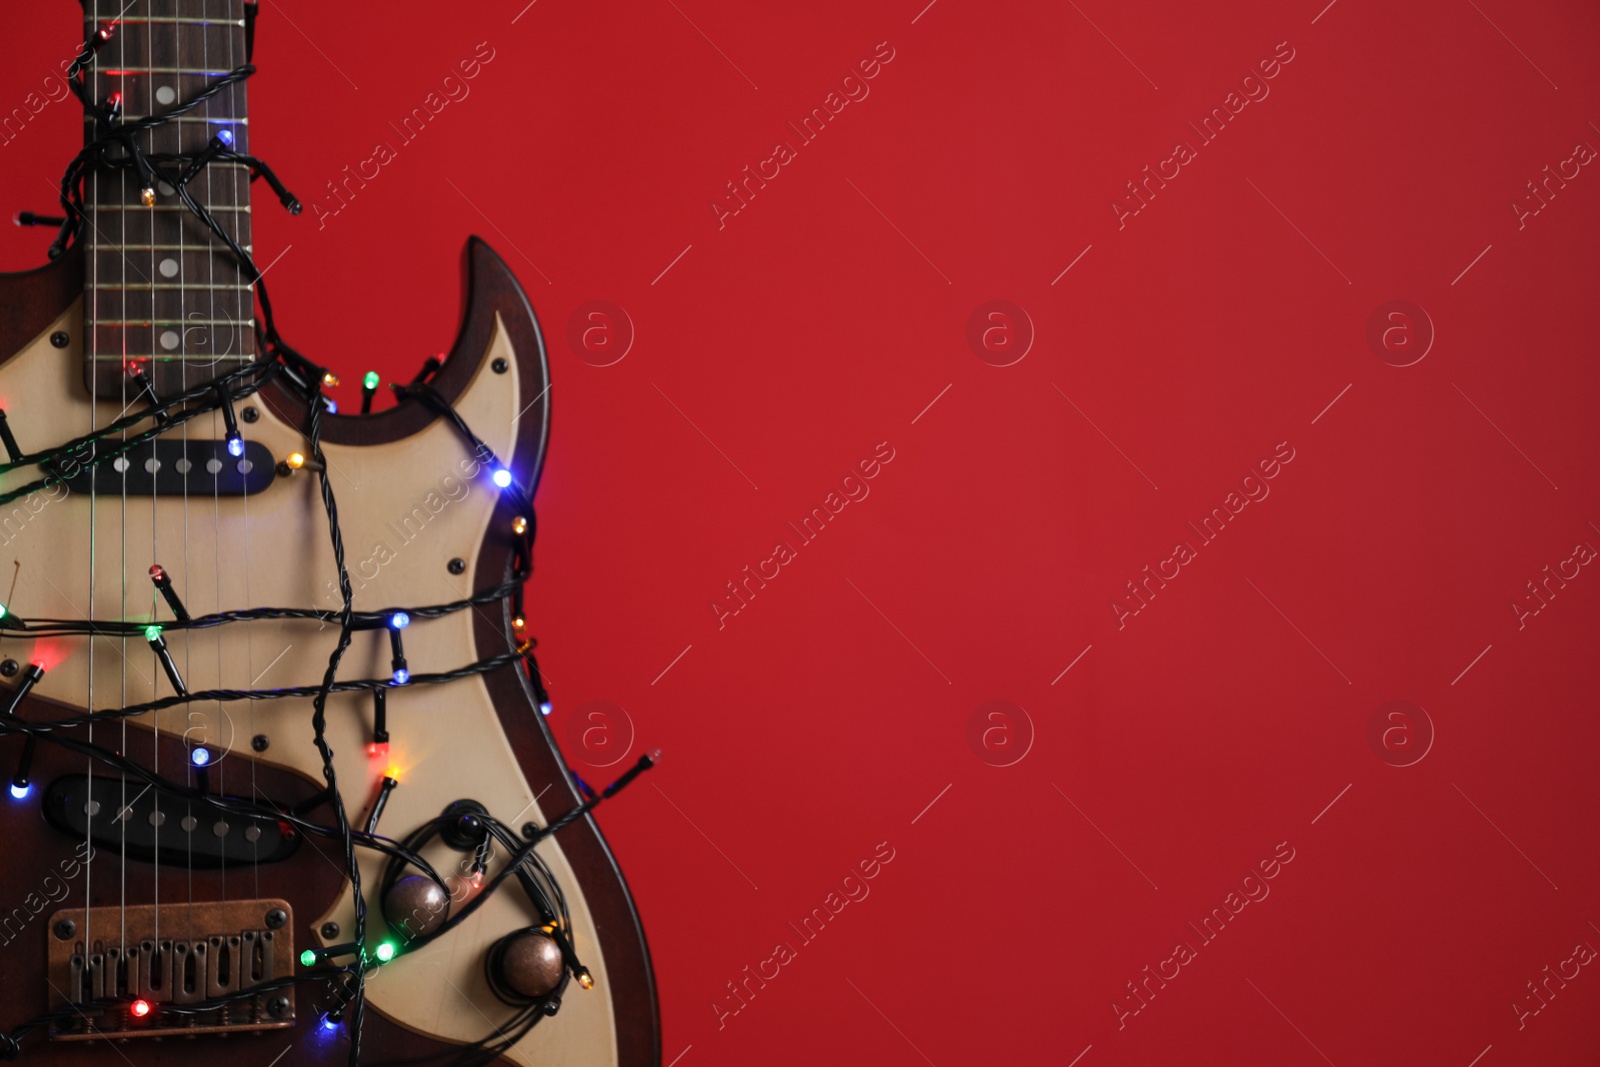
x: 176, y: 861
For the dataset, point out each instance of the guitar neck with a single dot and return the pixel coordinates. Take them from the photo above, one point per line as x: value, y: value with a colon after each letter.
x: 160, y: 287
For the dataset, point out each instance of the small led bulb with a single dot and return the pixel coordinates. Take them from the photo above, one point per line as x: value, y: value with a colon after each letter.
x: 519, y: 525
x: 384, y: 952
x: 226, y: 137
x: 402, y: 676
x: 147, y: 196
x: 330, y: 379
x: 152, y: 632
x: 502, y: 477
x: 295, y: 460
x: 235, y: 444
x: 20, y: 792
x: 370, y: 380
x: 584, y: 978
x: 399, y: 620
x: 139, y: 1008
x: 200, y: 756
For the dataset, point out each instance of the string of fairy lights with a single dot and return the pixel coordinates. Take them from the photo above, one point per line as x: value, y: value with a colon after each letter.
x: 341, y: 969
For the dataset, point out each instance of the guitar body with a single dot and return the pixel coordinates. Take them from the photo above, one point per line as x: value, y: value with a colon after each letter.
x: 414, y: 505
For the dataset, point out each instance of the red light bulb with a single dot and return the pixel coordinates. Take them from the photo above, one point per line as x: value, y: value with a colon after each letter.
x: 140, y: 1008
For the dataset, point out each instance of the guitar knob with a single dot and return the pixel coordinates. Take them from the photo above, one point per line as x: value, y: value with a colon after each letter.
x: 528, y: 964
x: 415, y: 906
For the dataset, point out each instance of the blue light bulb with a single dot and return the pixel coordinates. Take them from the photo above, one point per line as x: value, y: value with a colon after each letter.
x: 235, y: 445
x: 399, y: 620
x: 402, y: 676
x: 20, y: 792
x: 544, y: 708
x: 333, y: 409
x: 226, y: 137
x: 200, y: 756
x: 330, y: 1023
x: 502, y: 477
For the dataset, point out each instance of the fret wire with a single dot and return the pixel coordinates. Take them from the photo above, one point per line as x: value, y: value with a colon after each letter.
x: 173, y: 322
x: 165, y: 286
x: 166, y: 207
x: 177, y: 20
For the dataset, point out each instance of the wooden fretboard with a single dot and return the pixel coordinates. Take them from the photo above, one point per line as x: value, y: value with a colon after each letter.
x: 160, y: 287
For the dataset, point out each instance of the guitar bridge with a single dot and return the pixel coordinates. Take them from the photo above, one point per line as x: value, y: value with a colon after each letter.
x: 180, y: 970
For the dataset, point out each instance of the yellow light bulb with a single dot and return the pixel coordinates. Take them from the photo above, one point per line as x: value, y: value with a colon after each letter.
x: 296, y: 460
x: 519, y: 525
x: 330, y: 378
x: 148, y: 197
x: 584, y: 978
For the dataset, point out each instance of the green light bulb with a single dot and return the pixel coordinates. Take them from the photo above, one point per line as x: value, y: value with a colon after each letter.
x: 384, y: 951
x: 370, y: 382
x: 308, y: 958
x: 152, y: 632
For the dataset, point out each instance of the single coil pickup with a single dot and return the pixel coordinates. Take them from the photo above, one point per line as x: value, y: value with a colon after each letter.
x: 169, y: 466
x: 142, y: 982
x: 146, y: 824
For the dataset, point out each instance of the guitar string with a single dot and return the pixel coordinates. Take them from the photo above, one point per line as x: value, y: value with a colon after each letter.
x: 92, y: 317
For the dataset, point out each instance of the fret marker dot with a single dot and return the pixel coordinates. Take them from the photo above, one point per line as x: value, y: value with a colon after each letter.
x: 166, y: 94
x: 152, y: 465
x: 165, y: 190
x: 169, y: 268
x: 169, y: 340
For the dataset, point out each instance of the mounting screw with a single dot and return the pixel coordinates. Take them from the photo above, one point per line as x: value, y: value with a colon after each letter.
x: 276, y: 918
x: 330, y: 930
x: 65, y: 929
x: 250, y: 414
x: 529, y: 830
x: 60, y: 339
x: 278, y: 1007
x: 458, y: 566
x: 260, y: 742
x: 8, y: 667
x: 499, y: 366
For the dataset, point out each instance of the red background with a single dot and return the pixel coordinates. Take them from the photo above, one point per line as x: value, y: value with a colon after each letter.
x: 823, y: 719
